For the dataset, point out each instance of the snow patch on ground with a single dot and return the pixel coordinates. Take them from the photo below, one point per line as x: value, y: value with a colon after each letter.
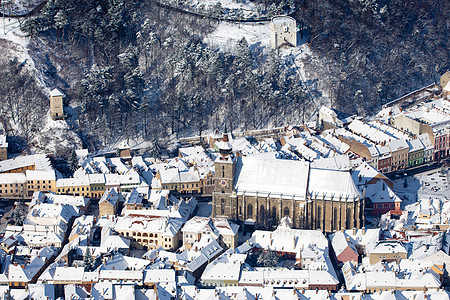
x: 248, y: 8
x: 54, y: 137
x: 20, y: 7
x: 17, y: 47
x: 313, y: 79
x: 227, y: 34
x: 10, y: 30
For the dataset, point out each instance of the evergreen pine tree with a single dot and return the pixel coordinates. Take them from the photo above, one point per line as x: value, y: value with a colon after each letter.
x: 267, y: 258
x: 18, y: 214
x: 73, y: 161
x: 88, y: 260
x: 155, y: 151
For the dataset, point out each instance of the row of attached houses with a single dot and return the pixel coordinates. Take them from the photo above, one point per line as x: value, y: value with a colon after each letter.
x: 24, y: 175
x: 390, y: 153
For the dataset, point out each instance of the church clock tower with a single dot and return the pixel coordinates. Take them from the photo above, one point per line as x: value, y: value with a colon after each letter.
x: 224, y: 202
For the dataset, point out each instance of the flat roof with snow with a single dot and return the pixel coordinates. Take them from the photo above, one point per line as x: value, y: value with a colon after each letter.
x: 283, y: 19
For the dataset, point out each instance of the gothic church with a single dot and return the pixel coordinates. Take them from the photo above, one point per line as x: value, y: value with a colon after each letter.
x: 258, y: 191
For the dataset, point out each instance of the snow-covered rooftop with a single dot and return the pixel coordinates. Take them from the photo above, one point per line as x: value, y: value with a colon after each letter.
x: 275, y: 176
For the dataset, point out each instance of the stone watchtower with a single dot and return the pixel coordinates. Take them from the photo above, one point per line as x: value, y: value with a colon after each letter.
x: 56, y: 104
x: 224, y: 202
x: 283, y: 31
x: 3, y: 147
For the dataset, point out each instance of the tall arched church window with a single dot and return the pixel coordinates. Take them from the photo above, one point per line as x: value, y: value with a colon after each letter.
x: 249, y: 211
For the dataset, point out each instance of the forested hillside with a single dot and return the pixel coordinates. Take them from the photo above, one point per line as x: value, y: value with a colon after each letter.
x: 378, y: 49
x: 131, y: 68
x: 144, y: 71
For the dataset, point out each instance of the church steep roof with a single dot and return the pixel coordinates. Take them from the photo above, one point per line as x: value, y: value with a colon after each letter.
x: 292, y: 179
x: 275, y: 176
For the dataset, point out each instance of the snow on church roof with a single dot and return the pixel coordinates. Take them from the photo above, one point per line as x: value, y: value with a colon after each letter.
x: 289, y: 178
x: 276, y: 176
x: 331, y: 182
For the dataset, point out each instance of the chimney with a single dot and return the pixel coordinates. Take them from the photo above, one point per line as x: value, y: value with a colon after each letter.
x: 354, y: 231
x: 225, y: 137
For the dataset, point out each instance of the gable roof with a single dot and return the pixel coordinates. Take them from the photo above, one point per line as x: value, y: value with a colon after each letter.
x: 111, y: 196
x: 56, y: 93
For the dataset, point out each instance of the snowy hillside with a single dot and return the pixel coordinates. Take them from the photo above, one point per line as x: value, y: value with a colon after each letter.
x: 55, y: 137
x: 160, y: 72
x: 300, y: 59
x: 44, y: 135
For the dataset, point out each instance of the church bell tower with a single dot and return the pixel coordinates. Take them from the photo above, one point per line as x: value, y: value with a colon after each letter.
x: 224, y: 203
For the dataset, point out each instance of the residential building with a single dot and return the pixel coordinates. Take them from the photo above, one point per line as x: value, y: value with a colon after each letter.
x: 97, y: 184
x: 80, y: 202
x: 124, y: 150
x: 13, y: 185
x: 406, y: 123
x: 385, y: 159
x: 387, y: 251
x: 405, y: 276
x: 343, y: 248
x: 109, y: 202
x: 46, y: 224
x: 364, y: 239
x: 180, y: 181
x: 150, y: 233
x: 382, y: 199
x: 416, y: 153
x: 165, y: 278
x: 328, y: 118
x: 220, y: 229
x: 21, y: 271
x: 399, y: 152
x: 428, y: 148
x: 77, y: 186
x: 441, y: 140
x: 40, y: 181
x: 20, y: 164
x: 445, y: 78
x: 133, y: 200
